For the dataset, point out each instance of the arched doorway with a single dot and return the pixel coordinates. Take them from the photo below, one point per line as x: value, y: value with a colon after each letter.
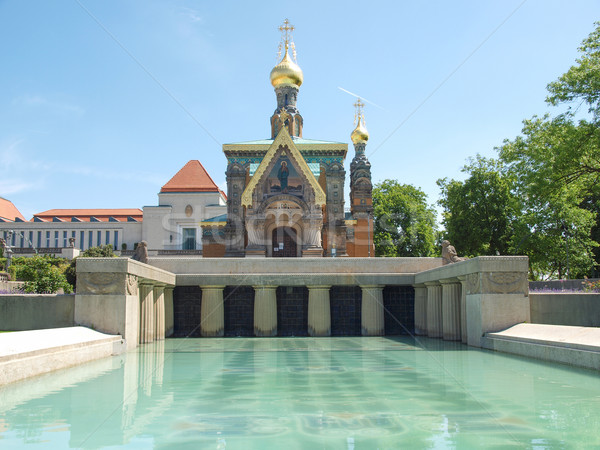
x: 284, y: 242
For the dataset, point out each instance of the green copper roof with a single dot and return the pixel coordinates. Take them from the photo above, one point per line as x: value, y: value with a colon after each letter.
x: 297, y: 140
x: 315, y: 168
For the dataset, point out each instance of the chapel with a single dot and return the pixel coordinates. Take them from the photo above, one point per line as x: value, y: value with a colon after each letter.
x: 285, y: 194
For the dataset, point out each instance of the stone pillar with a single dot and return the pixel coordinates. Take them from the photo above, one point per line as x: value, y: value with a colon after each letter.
x: 319, y: 311
x: 372, y: 323
x: 146, y: 313
x: 265, y: 311
x: 434, y: 309
x: 159, y: 312
x: 450, y: 309
x: 420, y: 309
x: 463, y: 308
x: 169, y: 312
x: 212, y: 313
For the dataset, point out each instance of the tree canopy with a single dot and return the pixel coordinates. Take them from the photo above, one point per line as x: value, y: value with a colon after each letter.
x: 478, y: 212
x: 404, y: 222
x: 541, y: 198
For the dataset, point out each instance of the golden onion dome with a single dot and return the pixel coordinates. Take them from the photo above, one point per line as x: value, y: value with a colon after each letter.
x: 286, y: 73
x: 360, y: 135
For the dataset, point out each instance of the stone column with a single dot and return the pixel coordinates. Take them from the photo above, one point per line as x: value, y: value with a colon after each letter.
x: 463, y: 308
x: 319, y: 311
x: 212, y: 313
x: 146, y: 313
x: 159, y: 312
x: 420, y: 309
x: 169, y: 312
x: 450, y: 309
x: 265, y: 311
x: 434, y: 309
x: 372, y: 323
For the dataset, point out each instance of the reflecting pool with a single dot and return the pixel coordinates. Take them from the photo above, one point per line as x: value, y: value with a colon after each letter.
x: 346, y: 393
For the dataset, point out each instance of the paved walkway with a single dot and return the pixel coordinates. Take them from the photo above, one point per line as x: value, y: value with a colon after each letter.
x: 25, y: 354
x: 34, y: 341
x: 578, y: 346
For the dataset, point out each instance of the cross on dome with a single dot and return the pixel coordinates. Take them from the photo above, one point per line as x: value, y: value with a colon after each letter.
x: 359, y: 111
x: 286, y: 39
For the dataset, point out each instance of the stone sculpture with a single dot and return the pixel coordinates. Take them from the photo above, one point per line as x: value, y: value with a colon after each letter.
x: 449, y: 254
x: 7, y: 252
x: 72, y: 242
x: 141, y: 252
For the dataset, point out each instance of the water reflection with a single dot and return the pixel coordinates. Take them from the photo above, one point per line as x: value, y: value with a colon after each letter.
x: 338, y: 392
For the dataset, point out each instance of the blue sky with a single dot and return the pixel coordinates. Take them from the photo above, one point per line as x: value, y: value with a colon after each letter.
x: 102, y: 102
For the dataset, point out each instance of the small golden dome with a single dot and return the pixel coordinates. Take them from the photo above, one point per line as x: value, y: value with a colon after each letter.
x: 286, y: 73
x: 360, y: 135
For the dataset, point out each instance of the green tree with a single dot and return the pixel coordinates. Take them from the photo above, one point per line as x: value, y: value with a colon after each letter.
x: 102, y: 251
x: 556, y: 167
x: 41, y: 274
x: 554, y: 228
x: 404, y: 222
x: 478, y: 213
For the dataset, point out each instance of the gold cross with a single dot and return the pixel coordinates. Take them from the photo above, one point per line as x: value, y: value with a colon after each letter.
x: 286, y: 32
x: 359, y: 112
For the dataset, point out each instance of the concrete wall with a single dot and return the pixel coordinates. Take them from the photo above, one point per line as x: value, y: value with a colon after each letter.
x: 575, y: 309
x: 290, y: 266
x: 36, y: 311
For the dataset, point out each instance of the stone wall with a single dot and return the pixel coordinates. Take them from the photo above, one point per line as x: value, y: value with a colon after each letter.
x: 464, y: 300
x: 575, y: 309
x: 36, y: 311
x: 125, y: 297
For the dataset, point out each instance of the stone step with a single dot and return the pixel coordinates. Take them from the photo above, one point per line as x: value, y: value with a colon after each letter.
x: 575, y: 346
x: 25, y: 354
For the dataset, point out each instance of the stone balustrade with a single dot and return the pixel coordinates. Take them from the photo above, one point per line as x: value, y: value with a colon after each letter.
x: 464, y: 300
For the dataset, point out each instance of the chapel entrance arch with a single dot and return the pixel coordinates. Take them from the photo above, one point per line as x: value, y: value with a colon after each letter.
x: 284, y: 241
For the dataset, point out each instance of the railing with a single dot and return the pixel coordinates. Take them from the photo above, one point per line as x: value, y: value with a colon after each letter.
x: 29, y: 251
x: 179, y: 252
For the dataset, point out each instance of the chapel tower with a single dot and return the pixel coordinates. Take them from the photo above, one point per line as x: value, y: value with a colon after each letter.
x: 286, y: 78
x: 361, y: 188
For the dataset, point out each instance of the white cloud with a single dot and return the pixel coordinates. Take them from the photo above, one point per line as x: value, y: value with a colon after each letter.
x: 14, y: 186
x: 37, y: 101
x: 192, y: 14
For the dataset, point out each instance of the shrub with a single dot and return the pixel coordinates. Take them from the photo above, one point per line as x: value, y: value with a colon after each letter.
x: 41, y: 274
x: 591, y: 286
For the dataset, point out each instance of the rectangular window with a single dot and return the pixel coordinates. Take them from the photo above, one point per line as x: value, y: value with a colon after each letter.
x: 64, y: 239
x: 107, y: 237
x: 22, y: 239
x: 14, y: 239
x: 189, y: 239
x: 116, y: 240
x: 99, y: 243
x: 39, y: 239
x: 31, y: 239
x: 56, y: 239
x: 81, y: 236
x: 47, y: 239
x: 90, y: 237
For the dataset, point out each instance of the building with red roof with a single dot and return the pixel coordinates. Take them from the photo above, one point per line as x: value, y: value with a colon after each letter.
x: 9, y: 212
x: 174, y: 226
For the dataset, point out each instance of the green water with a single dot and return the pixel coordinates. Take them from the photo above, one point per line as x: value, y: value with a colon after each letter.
x: 334, y: 393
